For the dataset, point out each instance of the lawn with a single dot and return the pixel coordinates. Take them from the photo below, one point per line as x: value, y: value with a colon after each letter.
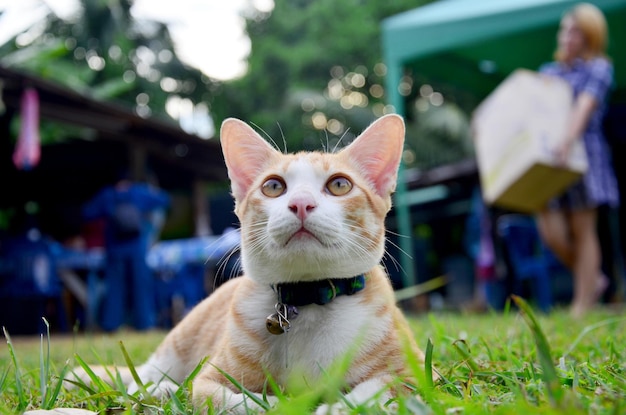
x: 500, y: 363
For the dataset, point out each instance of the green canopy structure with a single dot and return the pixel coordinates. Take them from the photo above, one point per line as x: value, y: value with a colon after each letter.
x: 472, y: 45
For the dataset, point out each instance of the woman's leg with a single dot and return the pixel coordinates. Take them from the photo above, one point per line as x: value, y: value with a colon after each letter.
x: 589, y: 282
x: 554, y: 228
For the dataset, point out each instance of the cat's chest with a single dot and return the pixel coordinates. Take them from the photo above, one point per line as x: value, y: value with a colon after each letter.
x: 318, y: 336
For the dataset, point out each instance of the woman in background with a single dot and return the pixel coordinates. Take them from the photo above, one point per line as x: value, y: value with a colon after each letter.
x: 568, y: 224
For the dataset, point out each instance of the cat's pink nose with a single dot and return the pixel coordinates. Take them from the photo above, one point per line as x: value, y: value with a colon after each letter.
x: 302, y: 205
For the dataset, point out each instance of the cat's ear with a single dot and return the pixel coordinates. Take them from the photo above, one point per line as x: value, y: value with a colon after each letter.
x: 377, y: 152
x: 246, y: 154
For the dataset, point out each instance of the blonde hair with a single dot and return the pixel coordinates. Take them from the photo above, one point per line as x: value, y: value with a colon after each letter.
x: 592, y: 24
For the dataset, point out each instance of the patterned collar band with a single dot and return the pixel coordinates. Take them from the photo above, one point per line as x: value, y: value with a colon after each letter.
x: 318, y: 292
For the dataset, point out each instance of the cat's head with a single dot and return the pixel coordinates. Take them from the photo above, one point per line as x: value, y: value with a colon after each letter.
x: 312, y: 215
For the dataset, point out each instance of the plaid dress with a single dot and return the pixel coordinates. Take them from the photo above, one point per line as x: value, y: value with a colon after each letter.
x: 599, y: 185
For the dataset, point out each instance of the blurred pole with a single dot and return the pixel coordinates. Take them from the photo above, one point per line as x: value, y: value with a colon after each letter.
x: 402, y: 208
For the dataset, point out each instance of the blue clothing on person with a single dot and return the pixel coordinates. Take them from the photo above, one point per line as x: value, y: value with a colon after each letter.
x: 599, y: 185
x: 129, y: 281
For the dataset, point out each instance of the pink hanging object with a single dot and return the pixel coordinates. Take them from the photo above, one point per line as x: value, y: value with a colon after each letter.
x: 28, y: 148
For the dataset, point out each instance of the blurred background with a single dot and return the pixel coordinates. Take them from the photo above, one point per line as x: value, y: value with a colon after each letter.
x: 143, y: 86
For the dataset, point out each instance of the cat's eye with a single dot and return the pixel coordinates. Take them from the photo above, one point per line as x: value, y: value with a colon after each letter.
x: 339, y: 185
x: 273, y: 187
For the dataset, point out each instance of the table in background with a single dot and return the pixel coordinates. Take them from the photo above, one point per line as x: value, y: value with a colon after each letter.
x: 168, y: 260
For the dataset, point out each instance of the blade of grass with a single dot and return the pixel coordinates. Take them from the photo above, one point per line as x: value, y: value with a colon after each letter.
x: 175, y: 405
x: 3, y: 379
x: 550, y: 377
x: 42, y: 378
x: 22, y: 403
x: 44, y: 363
x: 273, y: 386
x: 422, y: 386
x: 189, y: 379
x: 465, y: 354
x: 415, y: 406
x: 131, y: 367
x: 253, y: 397
x: 428, y: 364
x: 487, y: 348
x: 95, y: 379
x: 614, y: 354
x: 49, y: 403
x: 507, y: 307
x: 589, y: 329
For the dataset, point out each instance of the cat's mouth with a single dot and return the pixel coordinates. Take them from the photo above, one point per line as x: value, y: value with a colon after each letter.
x: 302, y: 234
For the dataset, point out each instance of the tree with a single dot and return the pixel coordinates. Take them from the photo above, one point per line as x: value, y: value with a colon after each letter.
x: 106, y: 53
x: 316, y: 73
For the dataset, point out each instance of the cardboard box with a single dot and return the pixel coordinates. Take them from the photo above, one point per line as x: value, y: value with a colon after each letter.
x: 517, y: 128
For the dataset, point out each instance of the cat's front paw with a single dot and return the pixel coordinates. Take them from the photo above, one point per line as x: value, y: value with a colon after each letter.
x: 243, y: 405
x: 165, y: 388
x: 371, y: 394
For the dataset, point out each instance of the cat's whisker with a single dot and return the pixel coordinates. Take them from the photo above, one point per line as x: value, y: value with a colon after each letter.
x: 396, y: 264
x: 338, y: 143
x: 395, y: 245
x: 401, y: 251
x: 356, y: 250
x: 327, y: 145
x: 221, y: 274
x: 282, y: 134
x: 387, y: 255
x: 217, y: 244
x: 237, y: 269
x: 357, y: 229
x: 399, y: 235
x: 222, y: 261
x: 269, y: 138
x: 258, y: 234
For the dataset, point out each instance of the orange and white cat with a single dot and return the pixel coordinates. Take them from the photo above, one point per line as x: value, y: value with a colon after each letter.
x: 313, y: 236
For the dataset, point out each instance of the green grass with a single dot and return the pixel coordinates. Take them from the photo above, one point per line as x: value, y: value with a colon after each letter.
x: 499, y: 363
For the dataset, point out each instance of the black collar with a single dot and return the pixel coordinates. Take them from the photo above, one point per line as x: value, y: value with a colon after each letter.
x: 318, y: 292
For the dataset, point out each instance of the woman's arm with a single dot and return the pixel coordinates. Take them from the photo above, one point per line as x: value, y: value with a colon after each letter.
x: 584, y: 106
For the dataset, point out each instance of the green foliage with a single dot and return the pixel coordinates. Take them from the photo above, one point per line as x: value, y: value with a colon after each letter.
x: 299, y: 52
x: 549, y: 376
x: 514, y: 362
x: 437, y: 135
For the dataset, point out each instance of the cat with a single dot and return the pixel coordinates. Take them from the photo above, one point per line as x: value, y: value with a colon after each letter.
x: 313, y: 289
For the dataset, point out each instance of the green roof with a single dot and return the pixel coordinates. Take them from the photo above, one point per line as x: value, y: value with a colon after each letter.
x: 475, y: 44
